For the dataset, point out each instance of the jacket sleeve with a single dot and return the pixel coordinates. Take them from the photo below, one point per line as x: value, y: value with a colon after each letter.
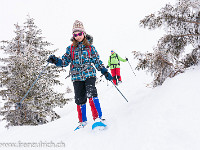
x: 66, y: 58
x: 121, y: 59
x: 95, y: 59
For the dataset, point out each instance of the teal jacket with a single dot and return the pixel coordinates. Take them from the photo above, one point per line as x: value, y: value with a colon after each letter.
x: 84, y: 61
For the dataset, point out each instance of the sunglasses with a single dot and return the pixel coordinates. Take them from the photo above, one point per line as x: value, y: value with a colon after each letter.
x: 79, y: 34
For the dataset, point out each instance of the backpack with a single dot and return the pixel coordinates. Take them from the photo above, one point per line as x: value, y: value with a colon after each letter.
x: 117, y: 59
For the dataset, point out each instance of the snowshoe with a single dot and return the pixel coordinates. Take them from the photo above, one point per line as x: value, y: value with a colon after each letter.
x: 81, y: 125
x: 99, y: 124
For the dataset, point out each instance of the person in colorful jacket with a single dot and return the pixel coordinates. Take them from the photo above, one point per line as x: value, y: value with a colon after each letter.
x: 83, y: 59
x: 114, y: 64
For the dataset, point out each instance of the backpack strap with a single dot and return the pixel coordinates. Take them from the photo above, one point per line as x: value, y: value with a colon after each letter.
x: 89, y: 51
x: 118, y: 58
x: 72, y: 52
x: 72, y: 55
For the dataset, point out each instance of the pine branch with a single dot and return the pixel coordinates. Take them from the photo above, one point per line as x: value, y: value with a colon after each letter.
x: 186, y: 35
x: 167, y: 62
x: 192, y: 22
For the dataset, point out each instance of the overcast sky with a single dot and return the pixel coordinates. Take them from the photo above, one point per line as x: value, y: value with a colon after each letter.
x: 114, y: 24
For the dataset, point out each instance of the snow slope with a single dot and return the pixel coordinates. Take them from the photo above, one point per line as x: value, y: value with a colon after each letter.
x: 164, y: 118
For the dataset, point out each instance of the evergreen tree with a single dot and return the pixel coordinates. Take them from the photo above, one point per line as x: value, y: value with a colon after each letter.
x: 27, y: 55
x: 182, y: 25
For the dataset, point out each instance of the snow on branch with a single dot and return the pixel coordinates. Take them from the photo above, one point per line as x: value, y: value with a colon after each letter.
x: 182, y: 25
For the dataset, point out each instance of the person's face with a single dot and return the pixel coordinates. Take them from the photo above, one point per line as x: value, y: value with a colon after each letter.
x: 78, y: 36
x: 112, y: 52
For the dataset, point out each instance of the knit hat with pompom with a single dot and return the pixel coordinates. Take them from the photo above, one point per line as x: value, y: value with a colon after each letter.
x: 78, y: 26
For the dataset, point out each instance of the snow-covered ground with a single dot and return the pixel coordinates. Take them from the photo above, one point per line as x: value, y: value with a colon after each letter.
x: 164, y: 118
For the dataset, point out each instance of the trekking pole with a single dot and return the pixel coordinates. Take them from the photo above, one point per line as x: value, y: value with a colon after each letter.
x: 101, y: 78
x: 131, y: 68
x: 19, y: 103
x: 119, y: 91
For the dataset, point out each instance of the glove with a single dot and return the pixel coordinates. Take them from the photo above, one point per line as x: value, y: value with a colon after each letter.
x: 127, y: 59
x: 52, y: 59
x: 107, y: 66
x: 107, y: 75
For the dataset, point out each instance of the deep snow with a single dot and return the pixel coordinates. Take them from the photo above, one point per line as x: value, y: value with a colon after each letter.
x: 163, y: 118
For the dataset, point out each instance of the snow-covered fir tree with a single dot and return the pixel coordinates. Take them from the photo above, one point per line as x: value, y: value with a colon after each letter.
x: 182, y: 25
x: 27, y: 55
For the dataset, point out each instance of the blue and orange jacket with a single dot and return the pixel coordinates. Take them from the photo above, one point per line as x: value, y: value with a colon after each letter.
x: 79, y: 58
